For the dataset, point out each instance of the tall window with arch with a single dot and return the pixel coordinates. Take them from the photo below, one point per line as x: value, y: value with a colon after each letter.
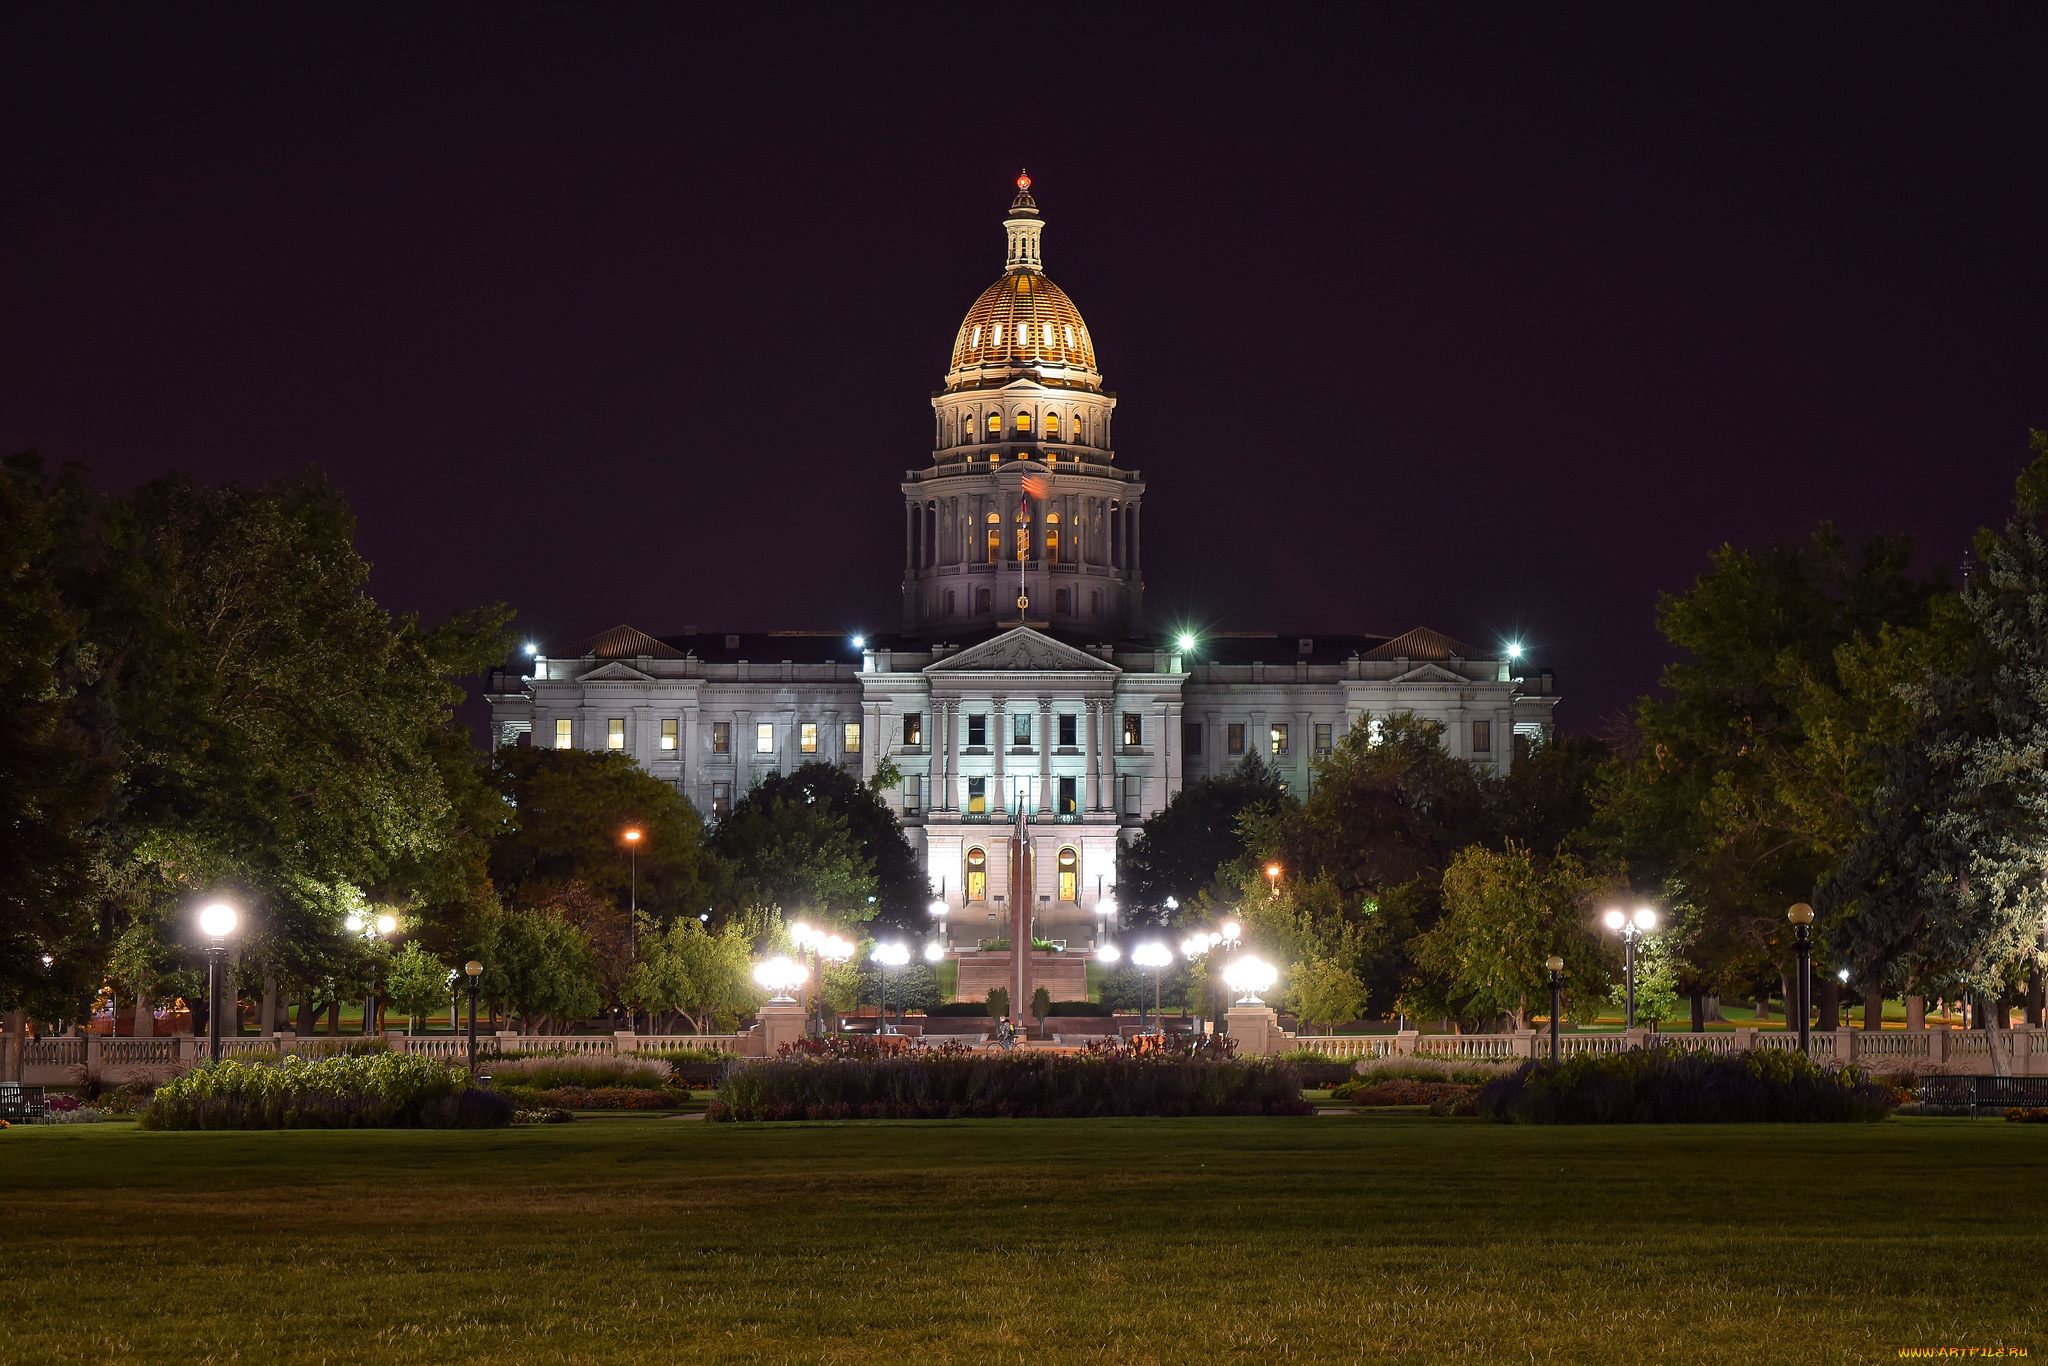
x: 977, y: 875
x: 995, y: 537
x: 1023, y: 421
x: 1052, y: 426
x: 1070, y: 874
x: 995, y: 423
x: 1052, y: 535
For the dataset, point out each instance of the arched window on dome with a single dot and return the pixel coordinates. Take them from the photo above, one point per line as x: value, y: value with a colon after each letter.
x: 1023, y: 421
x: 1052, y: 426
x: 977, y: 337
x: 995, y: 423
x: 1047, y: 334
x: 1068, y: 328
x: 996, y: 335
x: 995, y: 537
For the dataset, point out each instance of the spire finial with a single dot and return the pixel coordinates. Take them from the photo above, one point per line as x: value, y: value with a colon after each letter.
x: 1023, y: 179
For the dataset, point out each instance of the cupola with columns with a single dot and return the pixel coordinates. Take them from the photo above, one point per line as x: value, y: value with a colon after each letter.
x: 1023, y: 514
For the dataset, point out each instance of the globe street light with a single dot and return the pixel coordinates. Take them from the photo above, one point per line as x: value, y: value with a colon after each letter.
x: 1249, y: 976
x: 1801, y: 916
x: 1556, y: 966
x: 890, y: 956
x: 781, y: 975
x: 1631, y: 928
x: 632, y: 838
x: 1273, y: 879
x: 217, y: 922
x: 934, y: 952
x: 1155, y: 956
x: 475, y: 971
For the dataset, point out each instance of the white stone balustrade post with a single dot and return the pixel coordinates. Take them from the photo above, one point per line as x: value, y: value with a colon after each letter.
x: 1404, y: 1042
x: 1745, y: 1039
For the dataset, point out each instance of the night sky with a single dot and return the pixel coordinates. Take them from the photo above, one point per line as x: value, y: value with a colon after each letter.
x: 1496, y: 322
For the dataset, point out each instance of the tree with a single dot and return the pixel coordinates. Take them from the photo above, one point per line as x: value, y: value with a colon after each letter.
x: 417, y: 983
x: 1041, y: 1005
x: 797, y: 854
x: 900, y: 887
x: 702, y: 977
x: 536, y: 964
x: 1324, y: 991
x: 1504, y: 915
x: 1180, y: 848
x: 569, y: 811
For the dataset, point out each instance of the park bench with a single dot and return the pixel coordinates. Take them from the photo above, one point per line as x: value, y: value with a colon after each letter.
x: 20, y: 1104
x: 1982, y: 1095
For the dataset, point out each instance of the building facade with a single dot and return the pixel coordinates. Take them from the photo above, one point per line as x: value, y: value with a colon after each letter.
x: 1023, y: 702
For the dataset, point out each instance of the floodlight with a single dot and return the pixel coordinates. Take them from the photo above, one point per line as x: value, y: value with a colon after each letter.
x: 218, y: 920
x: 1249, y: 976
x: 1107, y: 954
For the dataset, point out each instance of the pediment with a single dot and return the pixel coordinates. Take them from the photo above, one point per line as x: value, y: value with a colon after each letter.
x: 1430, y: 673
x: 1022, y: 650
x: 615, y: 672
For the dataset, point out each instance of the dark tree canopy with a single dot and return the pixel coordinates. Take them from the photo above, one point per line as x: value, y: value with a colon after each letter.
x: 819, y: 839
x: 1178, y: 851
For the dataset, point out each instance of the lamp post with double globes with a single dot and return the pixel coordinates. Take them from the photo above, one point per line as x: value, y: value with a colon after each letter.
x: 1156, y: 957
x: 1631, y: 928
x: 217, y: 922
x: 886, y: 956
x: 1556, y: 966
x: 1801, y: 916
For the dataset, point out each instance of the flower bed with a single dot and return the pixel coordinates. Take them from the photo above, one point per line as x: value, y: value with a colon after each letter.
x: 590, y: 1098
x: 1665, y: 1086
x: 947, y: 1084
x: 371, y: 1091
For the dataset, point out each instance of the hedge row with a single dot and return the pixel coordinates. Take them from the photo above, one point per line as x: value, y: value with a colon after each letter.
x: 375, y: 1091
x: 1013, y: 1086
x: 1667, y: 1086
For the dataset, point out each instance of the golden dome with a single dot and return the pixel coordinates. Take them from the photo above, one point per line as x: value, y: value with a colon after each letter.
x: 1025, y: 319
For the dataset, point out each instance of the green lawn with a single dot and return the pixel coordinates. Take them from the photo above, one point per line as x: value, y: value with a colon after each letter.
x: 1332, y: 1239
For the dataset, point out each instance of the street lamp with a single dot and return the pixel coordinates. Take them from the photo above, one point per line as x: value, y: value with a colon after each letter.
x: 1155, y: 956
x: 1248, y: 977
x: 1556, y: 966
x: 475, y: 971
x: 934, y: 952
x: 217, y: 922
x: 1273, y: 879
x: 1631, y: 928
x: 888, y: 956
x: 1801, y: 916
x: 781, y: 975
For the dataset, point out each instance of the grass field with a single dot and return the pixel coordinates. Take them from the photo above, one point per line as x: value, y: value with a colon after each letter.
x: 1333, y: 1239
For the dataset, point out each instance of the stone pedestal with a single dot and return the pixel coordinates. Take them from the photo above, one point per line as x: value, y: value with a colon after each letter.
x: 1256, y: 1029
x: 781, y: 1022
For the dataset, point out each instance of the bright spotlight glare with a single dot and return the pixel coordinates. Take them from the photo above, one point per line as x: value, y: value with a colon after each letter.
x: 1514, y: 650
x: 218, y: 920
x: 354, y: 923
x: 1107, y: 954
x: 934, y: 951
x: 1186, y: 641
x: 1249, y: 976
x: 1152, y: 955
x: 1615, y: 920
x: 1646, y: 919
x: 860, y: 642
x: 532, y: 648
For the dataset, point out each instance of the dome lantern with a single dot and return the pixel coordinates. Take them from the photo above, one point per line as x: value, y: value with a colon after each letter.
x: 1023, y: 228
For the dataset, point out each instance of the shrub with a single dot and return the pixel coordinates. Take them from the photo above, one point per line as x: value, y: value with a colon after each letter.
x: 367, y: 1091
x: 1402, y: 1091
x: 948, y: 1085
x: 959, y: 1008
x: 588, y: 1098
x: 1431, y: 1069
x: 541, y: 1117
x: 589, y: 1073
x: 76, y: 1114
x: 2031, y: 1115
x: 1665, y: 1086
x: 1088, y: 1009
x: 470, y: 1108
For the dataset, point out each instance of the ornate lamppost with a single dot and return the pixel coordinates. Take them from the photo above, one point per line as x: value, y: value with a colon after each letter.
x: 1631, y: 928
x: 1156, y: 957
x: 886, y: 956
x: 1801, y: 916
x: 217, y: 921
x: 1556, y: 966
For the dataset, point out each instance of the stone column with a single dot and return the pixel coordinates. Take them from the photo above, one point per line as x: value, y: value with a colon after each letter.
x: 870, y: 738
x: 950, y: 738
x: 909, y: 535
x: 1045, y: 754
x: 1134, y: 558
x: 689, y: 744
x: 1093, y: 763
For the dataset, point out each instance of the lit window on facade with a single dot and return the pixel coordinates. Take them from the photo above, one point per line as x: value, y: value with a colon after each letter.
x: 764, y: 738
x: 977, y: 797
x: 1134, y: 730
x: 807, y: 737
x: 668, y: 736
x: 850, y: 737
x: 996, y: 337
x: 1069, y: 328
x: 721, y: 737
x: 1052, y: 426
x: 1020, y: 729
x: 1070, y: 872
x: 913, y: 728
x: 1279, y: 737
x: 1023, y: 422
x: 1048, y: 334
x: 977, y: 336
x: 565, y: 733
x: 1322, y: 738
x: 995, y: 424
x: 977, y: 874
x: 615, y: 733
x: 1070, y: 796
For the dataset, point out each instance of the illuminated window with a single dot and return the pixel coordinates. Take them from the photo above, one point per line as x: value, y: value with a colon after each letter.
x: 1234, y: 738
x: 615, y: 733
x: 721, y: 737
x: 977, y: 335
x: 995, y: 547
x: 1070, y: 862
x: 850, y: 737
x: 1279, y: 737
x: 1070, y: 336
x: 1322, y: 738
x: 764, y: 738
x: 977, y: 729
x: 1069, y: 730
x: 996, y: 338
x: 1020, y: 729
x: 1070, y: 796
x: 977, y: 871
x: 1482, y: 737
x: 1134, y: 730
x: 1052, y: 426
x: 1023, y: 422
x: 995, y: 424
x: 1052, y: 535
x: 977, y: 795
x: 807, y: 737
x: 1048, y: 334
x: 721, y: 800
x: 668, y: 736
x: 565, y: 733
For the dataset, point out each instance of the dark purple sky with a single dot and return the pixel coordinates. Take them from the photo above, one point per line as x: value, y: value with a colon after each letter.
x: 1492, y: 322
